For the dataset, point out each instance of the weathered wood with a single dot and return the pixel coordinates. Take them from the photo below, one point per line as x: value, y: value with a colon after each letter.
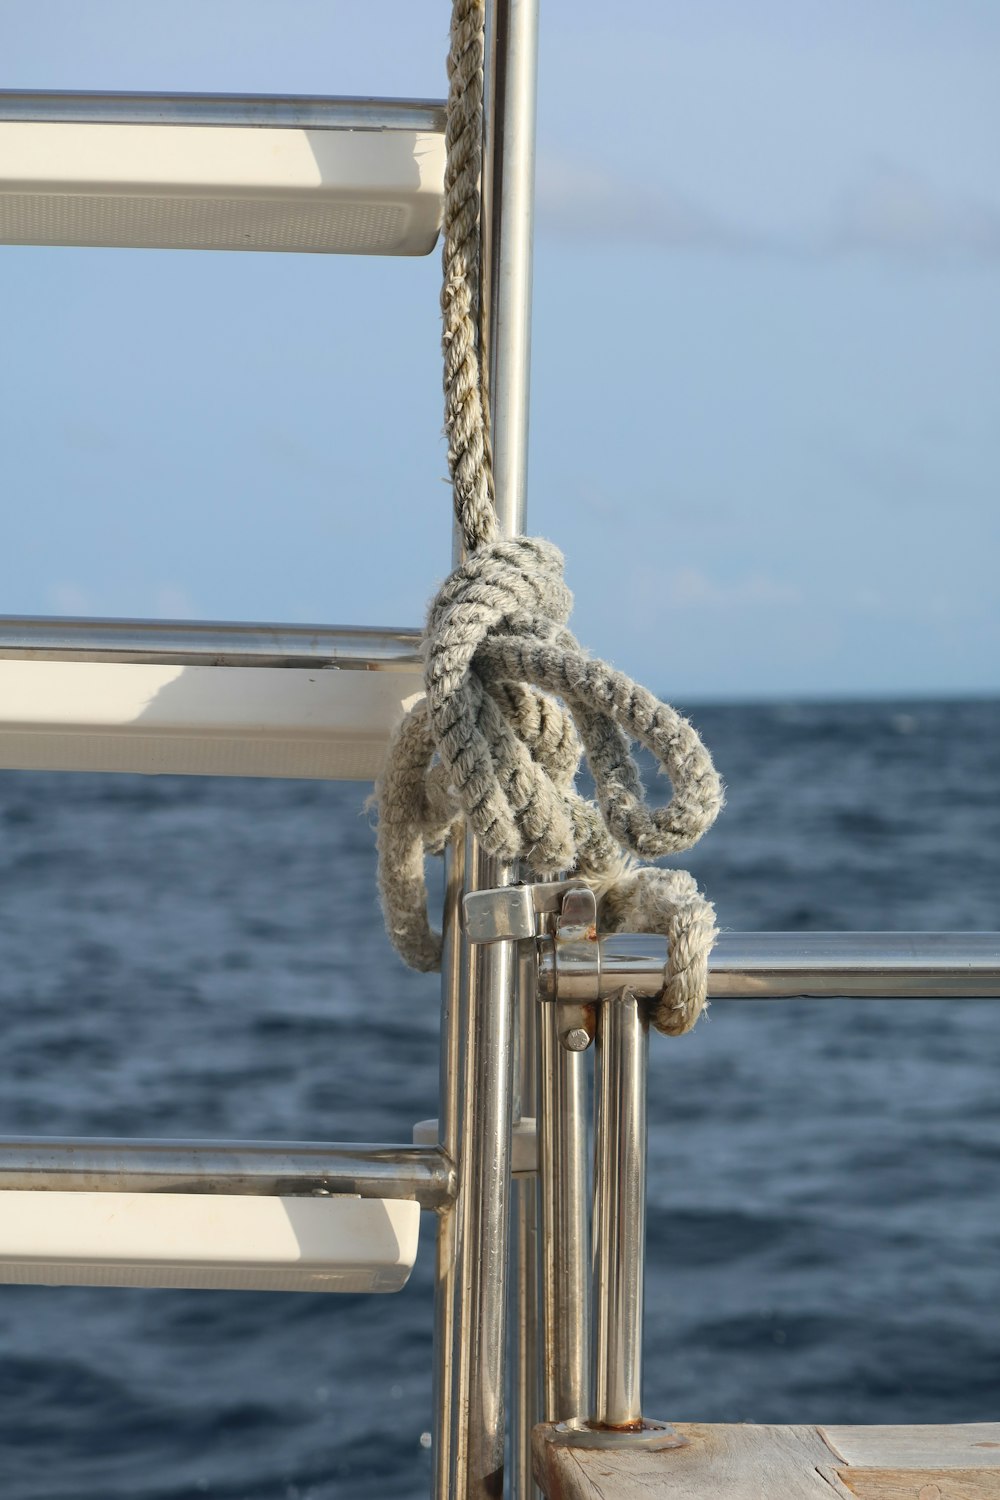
x: 958, y: 1445
x: 750, y: 1462
x: 922, y: 1484
x: 720, y: 1462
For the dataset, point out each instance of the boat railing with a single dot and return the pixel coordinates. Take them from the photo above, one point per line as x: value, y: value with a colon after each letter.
x: 522, y: 1006
x: 601, y: 996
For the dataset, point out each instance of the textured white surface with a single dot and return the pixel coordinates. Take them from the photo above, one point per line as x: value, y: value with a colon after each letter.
x: 202, y: 1240
x: 207, y: 721
x: 220, y: 188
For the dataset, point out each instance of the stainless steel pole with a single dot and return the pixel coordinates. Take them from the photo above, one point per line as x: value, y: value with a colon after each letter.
x: 562, y: 1164
x: 482, y: 1209
x: 274, y: 111
x: 510, y: 187
x: 511, y: 180
x: 510, y: 148
x: 619, y: 1212
x: 211, y: 643
x: 247, y: 1168
x: 453, y: 1029
x: 479, y: 1330
x: 525, y: 1404
x: 799, y: 965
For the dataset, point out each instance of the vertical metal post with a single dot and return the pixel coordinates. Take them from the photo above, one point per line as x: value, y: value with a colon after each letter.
x: 562, y: 1165
x: 508, y: 203
x: 619, y: 1211
x: 509, y: 218
x: 525, y: 1405
x: 475, y: 1397
x: 449, y: 1102
x: 483, y: 1209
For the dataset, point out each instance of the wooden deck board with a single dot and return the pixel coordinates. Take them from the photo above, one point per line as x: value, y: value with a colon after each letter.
x: 966, y: 1445
x: 720, y: 1462
x: 922, y: 1484
x: 744, y: 1461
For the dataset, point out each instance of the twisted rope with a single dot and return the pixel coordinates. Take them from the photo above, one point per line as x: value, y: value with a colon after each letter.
x: 512, y: 700
x: 467, y: 417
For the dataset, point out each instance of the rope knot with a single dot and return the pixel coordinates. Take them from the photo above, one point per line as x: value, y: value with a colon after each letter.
x: 509, y: 764
x: 511, y: 700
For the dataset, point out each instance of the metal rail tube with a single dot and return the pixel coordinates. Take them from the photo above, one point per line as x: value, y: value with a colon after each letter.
x: 453, y: 1029
x: 265, y: 111
x: 248, y: 1168
x: 213, y: 643
x: 822, y: 965
x: 509, y: 221
x: 802, y: 965
x: 619, y: 1211
x: 525, y: 1404
x: 480, y: 1322
x: 562, y: 1159
x: 483, y: 1209
x: 510, y: 149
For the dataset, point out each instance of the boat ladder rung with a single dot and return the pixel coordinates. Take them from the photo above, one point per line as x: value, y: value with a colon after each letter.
x: 221, y: 172
x: 244, y: 1215
x: 196, y: 698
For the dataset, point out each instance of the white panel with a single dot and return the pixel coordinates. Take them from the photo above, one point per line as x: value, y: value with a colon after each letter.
x: 199, y: 721
x: 362, y: 192
x: 200, y: 1240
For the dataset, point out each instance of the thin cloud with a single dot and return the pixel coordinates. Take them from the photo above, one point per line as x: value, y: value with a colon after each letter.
x: 899, y: 213
x: 888, y: 211
x: 583, y: 198
x: 690, y: 588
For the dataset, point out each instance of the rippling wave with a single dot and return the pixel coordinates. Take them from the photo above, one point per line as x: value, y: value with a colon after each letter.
x: 205, y: 958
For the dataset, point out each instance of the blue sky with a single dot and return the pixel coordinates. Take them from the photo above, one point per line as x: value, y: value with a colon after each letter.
x: 766, y: 382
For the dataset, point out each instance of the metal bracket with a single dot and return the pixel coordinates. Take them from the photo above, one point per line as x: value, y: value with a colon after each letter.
x: 511, y: 913
x: 576, y: 949
x: 572, y: 951
x: 576, y: 957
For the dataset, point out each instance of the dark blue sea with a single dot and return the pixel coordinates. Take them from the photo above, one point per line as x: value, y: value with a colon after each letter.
x: 205, y: 958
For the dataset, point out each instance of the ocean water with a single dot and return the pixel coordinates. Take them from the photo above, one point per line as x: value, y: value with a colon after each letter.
x: 205, y: 958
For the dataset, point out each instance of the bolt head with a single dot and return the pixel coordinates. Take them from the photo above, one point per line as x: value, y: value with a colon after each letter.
x: 576, y: 1040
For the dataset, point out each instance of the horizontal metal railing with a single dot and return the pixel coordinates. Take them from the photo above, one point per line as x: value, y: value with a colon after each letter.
x: 246, y: 1168
x: 216, y: 643
x: 263, y: 111
x: 743, y: 966
x: 793, y: 965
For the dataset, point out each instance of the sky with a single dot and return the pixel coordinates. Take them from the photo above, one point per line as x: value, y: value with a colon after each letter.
x: 766, y: 361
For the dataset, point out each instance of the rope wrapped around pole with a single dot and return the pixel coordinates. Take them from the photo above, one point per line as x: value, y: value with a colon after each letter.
x: 512, y: 700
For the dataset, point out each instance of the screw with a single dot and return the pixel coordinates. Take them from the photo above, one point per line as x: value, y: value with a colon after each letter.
x: 577, y: 1040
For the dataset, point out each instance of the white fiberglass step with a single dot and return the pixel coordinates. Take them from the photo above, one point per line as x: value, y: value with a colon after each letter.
x: 184, y: 698
x: 335, y: 1244
x: 354, y: 177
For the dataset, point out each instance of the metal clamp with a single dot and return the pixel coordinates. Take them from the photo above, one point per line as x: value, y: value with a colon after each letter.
x: 568, y: 945
x: 576, y: 960
x: 574, y: 951
x: 512, y: 912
